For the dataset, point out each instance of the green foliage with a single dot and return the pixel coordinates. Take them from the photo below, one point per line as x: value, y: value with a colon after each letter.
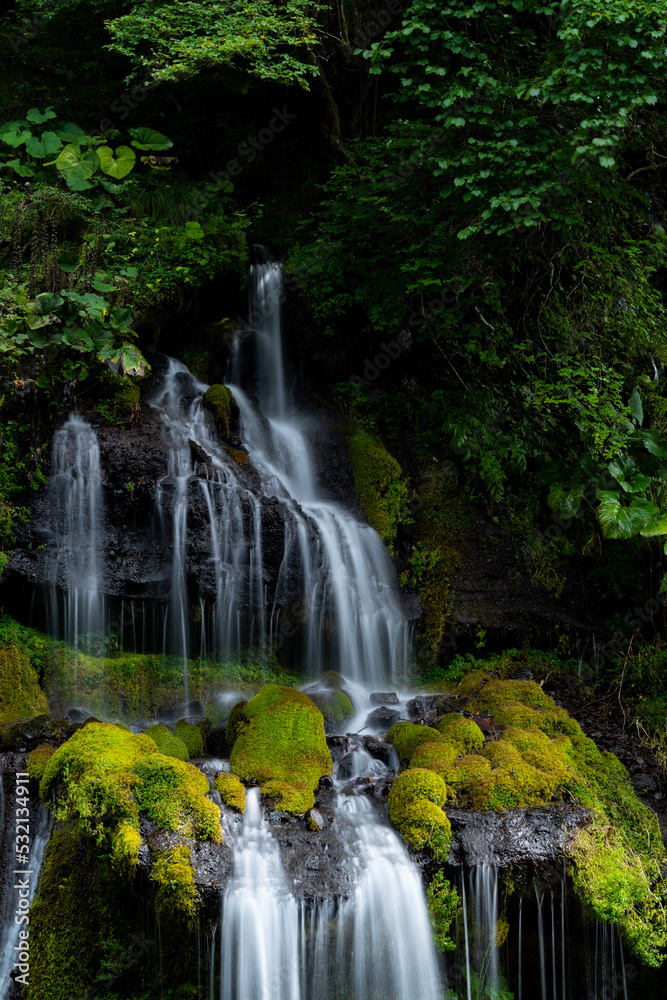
x: 415, y: 802
x: 172, y: 41
x: 335, y: 707
x: 445, y: 907
x: 231, y: 791
x: 379, y: 483
x: 461, y: 732
x: 282, y: 745
x: 37, y: 761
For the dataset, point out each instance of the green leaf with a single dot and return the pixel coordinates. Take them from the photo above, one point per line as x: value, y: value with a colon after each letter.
x: 68, y: 262
x: 148, y: 138
x: 635, y: 404
x: 652, y: 442
x: 121, y: 317
x: 51, y: 142
x: 607, y: 161
x: 126, y: 360
x: 117, y: 167
x: 16, y: 139
x: 77, y: 338
x: 70, y: 131
x: 34, y: 115
x: 47, y: 302
x: 619, y: 521
x: 100, y: 285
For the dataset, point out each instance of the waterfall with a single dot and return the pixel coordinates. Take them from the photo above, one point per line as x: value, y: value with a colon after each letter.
x: 376, y: 943
x: 334, y: 572
x: 75, y: 490
x: 9, y: 934
x: 260, y: 949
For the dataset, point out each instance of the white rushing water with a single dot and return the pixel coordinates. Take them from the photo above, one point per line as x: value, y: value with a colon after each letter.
x: 9, y: 933
x: 76, y: 606
x: 336, y: 565
x: 376, y: 943
x: 260, y: 949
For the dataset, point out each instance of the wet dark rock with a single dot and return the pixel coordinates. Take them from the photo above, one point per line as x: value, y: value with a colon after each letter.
x: 316, y: 862
x: 26, y: 734
x: 380, y: 750
x: 217, y: 743
x: 314, y: 820
x: 514, y: 836
x: 645, y: 784
x: 382, y: 718
x: 383, y: 699
x: 326, y: 781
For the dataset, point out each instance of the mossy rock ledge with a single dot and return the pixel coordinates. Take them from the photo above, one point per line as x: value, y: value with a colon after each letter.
x: 536, y: 756
x: 113, y: 795
x: 280, y: 744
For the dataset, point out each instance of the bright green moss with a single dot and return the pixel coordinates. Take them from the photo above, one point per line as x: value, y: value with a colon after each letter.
x: 83, y: 917
x: 436, y: 755
x: 37, y: 761
x: 236, y: 722
x: 461, y: 732
x: 173, y: 794
x: 20, y: 694
x: 176, y: 897
x: 231, y: 791
x: 125, y: 844
x: 168, y: 743
x: 219, y: 400
x: 191, y: 736
x: 335, y: 707
x: 104, y: 777
x: 159, y: 733
x: 283, y: 746
x: 406, y: 737
x: 415, y: 809
x: 379, y: 483
x: 542, y: 756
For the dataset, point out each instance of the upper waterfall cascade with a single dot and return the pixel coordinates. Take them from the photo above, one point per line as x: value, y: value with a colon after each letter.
x: 336, y: 565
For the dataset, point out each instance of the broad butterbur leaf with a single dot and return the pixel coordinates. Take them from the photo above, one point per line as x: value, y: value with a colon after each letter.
x: 149, y: 139
x: 117, y: 166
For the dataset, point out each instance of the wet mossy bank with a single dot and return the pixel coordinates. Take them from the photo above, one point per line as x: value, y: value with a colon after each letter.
x: 516, y: 748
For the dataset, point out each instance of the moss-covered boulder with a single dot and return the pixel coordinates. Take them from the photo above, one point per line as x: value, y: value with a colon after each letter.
x: 461, y: 732
x: 191, y: 735
x: 332, y: 700
x: 20, y: 694
x: 167, y: 742
x: 416, y: 803
x: 282, y: 745
x: 219, y: 401
x: 231, y: 791
x: 103, y: 777
x: 406, y: 737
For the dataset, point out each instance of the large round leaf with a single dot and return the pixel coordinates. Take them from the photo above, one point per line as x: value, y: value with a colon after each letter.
x: 51, y: 142
x: 35, y: 148
x: 35, y: 115
x: 148, y: 138
x: 119, y: 165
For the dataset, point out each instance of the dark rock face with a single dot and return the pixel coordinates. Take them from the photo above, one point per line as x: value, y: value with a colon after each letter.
x: 383, y: 699
x: 382, y: 718
x: 517, y: 835
x: 381, y: 750
x: 26, y: 734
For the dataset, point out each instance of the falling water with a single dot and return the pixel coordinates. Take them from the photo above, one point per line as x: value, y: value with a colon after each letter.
x: 260, y: 947
x: 76, y: 513
x: 334, y: 568
x: 9, y: 936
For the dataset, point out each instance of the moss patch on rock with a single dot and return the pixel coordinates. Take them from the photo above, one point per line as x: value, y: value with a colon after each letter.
x: 176, y: 897
x: 191, y: 736
x: 167, y: 742
x: 218, y: 400
x: 542, y: 757
x: 20, y: 694
x: 406, y: 737
x: 231, y: 791
x: 416, y: 803
x: 282, y: 745
x: 104, y: 777
x: 461, y: 732
x: 379, y: 483
x: 37, y: 761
